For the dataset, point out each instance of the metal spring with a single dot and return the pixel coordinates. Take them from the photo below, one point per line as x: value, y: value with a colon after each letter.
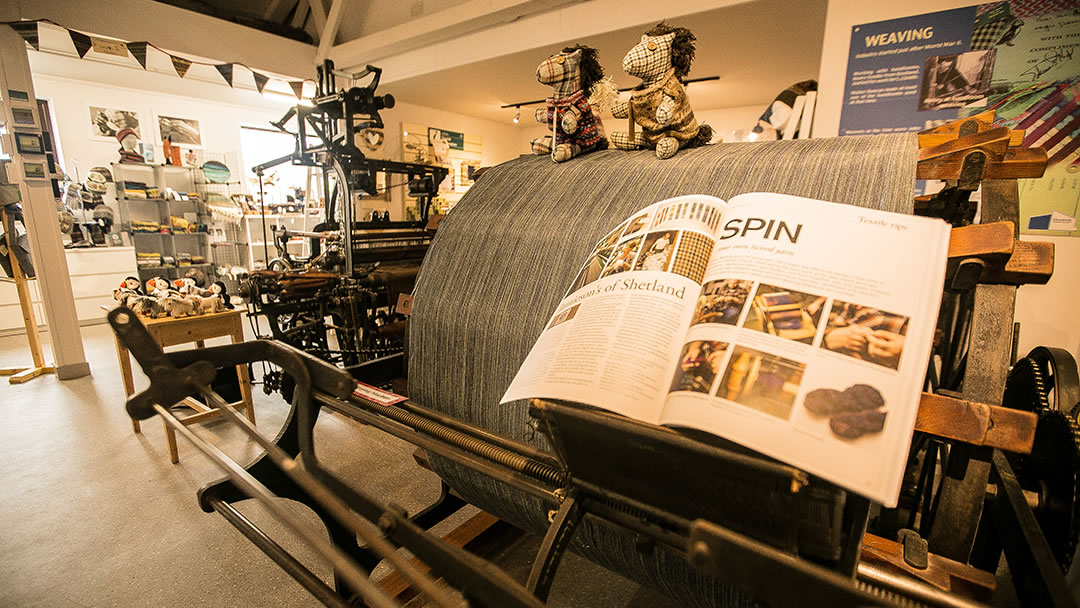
x: 888, y: 596
x: 517, y: 462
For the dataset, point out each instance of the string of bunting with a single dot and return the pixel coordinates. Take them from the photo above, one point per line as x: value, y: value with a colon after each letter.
x: 28, y: 30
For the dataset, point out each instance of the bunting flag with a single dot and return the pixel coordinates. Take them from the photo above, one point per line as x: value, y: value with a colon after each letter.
x: 138, y: 50
x: 81, y: 41
x: 28, y: 31
x: 226, y: 71
x: 260, y: 81
x: 180, y: 64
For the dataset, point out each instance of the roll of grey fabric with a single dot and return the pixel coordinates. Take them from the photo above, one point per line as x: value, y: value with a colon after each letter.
x: 505, y: 255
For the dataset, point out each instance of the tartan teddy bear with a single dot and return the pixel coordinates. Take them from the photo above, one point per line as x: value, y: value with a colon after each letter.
x: 574, y: 75
x: 659, y: 104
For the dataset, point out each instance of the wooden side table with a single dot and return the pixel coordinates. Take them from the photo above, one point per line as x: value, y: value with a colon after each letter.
x: 167, y: 331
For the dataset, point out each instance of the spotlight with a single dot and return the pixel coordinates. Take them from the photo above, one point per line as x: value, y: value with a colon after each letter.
x: 517, y: 115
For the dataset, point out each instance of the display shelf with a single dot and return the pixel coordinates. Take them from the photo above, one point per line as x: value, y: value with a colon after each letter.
x: 160, y: 211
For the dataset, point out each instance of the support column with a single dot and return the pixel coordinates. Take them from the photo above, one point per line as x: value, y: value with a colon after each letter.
x: 39, y: 212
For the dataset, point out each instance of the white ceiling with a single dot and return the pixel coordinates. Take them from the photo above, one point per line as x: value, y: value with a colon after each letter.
x: 756, y: 48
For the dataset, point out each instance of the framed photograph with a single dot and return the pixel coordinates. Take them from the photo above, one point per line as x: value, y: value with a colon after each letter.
x: 106, y: 122
x: 181, y: 131
x: 23, y: 116
x: 29, y: 143
x: 34, y: 170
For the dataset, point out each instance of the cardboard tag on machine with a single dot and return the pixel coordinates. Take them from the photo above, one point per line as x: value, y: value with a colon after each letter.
x: 404, y: 304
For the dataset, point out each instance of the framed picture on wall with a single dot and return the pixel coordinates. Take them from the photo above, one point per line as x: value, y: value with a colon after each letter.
x: 106, y: 122
x: 23, y: 116
x: 34, y: 170
x: 29, y: 143
x: 181, y: 131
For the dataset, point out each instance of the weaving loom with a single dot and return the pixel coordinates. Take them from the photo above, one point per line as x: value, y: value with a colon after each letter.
x: 494, y: 273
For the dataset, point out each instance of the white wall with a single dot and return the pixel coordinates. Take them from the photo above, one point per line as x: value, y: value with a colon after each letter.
x: 72, y: 85
x: 1047, y: 313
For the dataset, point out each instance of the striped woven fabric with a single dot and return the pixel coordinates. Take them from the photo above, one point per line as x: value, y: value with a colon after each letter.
x: 505, y: 256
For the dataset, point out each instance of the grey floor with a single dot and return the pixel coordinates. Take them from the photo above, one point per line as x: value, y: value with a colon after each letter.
x: 92, y: 514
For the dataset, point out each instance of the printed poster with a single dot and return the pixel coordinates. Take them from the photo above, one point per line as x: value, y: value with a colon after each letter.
x: 1019, y: 58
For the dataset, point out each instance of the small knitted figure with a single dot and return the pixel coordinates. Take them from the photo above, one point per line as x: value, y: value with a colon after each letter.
x: 659, y: 104
x: 576, y: 127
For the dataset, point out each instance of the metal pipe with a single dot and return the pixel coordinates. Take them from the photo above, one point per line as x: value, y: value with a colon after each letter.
x: 348, y: 569
x: 281, y: 557
x: 374, y: 540
x: 460, y: 456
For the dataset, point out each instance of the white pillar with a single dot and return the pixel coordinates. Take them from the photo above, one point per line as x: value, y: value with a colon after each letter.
x: 39, y: 211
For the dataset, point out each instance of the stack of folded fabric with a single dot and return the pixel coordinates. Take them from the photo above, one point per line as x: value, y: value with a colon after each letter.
x: 139, y: 226
x: 147, y: 260
x: 134, y: 189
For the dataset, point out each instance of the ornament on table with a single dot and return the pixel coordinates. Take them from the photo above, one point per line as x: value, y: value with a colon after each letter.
x: 129, y: 142
x: 218, y: 289
x: 133, y: 284
x: 579, y: 93
x: 659, y: 105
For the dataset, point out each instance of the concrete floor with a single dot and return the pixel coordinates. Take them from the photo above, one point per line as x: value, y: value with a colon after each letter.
x: 92, y: 514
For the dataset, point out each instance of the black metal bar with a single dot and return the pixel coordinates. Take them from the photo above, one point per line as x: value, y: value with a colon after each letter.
x: 551, y: 550
x: 622, y: 90
x: 356, y: 577
x: 279, y: 555
x: 772, y: 576
x: 1036, y: 575
x: 502, y: 474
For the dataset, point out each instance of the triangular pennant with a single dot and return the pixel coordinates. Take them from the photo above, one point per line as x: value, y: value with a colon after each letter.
x: 297, y: 88
x: 82, y: 43
x: 138, y: 51
x: 180, y: 64
x: 28, y: 31
x: 260, y: 81
x: 226, y: 70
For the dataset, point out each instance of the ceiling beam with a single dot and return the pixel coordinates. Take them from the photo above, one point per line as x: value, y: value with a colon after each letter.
x: 300, y: 14
x: 477, y: 30
x: 271, y: 8
x: 329, y: 33
x: 318, y: 14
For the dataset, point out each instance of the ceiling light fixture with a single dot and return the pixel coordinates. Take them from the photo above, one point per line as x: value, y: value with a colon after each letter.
x: 517, y: 115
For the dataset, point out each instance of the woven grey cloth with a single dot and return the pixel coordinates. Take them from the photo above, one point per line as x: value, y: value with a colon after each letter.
x: 504, y: 257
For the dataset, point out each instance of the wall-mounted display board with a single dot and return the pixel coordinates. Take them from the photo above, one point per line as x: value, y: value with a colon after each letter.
x: 1018, y: 58
x: 433, y: 145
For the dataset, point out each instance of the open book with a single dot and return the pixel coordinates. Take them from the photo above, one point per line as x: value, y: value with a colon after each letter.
x: 799, y: 328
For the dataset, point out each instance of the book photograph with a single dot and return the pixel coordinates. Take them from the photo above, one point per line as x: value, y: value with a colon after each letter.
x: 785, y: 313
x: 722, y: 301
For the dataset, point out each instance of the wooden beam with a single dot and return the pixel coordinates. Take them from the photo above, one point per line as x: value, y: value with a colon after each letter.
x: 318, y: 14
x: 271, y: 8
x: 299, y: 14
x: 985, y: 241
x: 976, y: 423
x: 329, y: 33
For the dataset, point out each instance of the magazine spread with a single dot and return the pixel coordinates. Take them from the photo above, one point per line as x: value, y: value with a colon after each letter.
x: 798, y: 328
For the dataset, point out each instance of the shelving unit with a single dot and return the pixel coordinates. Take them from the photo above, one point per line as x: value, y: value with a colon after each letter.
x: 253, y: 228
x: 169, y: 245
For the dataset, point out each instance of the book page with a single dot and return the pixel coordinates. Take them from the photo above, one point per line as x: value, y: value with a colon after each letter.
x: 615, y: 338
x: 823, y: 315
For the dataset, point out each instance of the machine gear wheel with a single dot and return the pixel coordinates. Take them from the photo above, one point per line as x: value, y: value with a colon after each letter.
x: 1052, y: 469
